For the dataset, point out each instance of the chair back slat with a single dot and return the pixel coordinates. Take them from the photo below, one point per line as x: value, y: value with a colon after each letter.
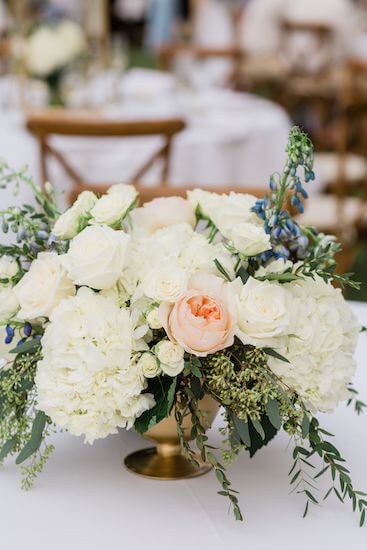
x: 45, y: 124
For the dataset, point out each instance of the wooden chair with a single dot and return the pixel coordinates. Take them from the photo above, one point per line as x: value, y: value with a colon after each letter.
x: 150, y: 193
x: 338, y: 212
x: 167, y: 54
x: 45, y: 124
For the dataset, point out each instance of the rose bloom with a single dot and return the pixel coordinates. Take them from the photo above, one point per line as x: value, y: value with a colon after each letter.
x: 97, y: 257
x: 163, y: 212
x: 43, y: 287
x: 200, y: 321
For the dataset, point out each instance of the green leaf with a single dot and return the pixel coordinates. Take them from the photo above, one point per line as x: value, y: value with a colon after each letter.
x: 322, y: 472
x: 295, y: 477
x: 163, y: 389
x: 243, y: 431
x: 311, y: 497
x: 258, y: 427
x: 273, y: 353
x: 306, y: 510
x: 363, y: 517
x: 196, y: 387
x: 256, y: 441
x: 272, y: 410
x: 286, y: 277
x: 222, y: 270
x: 305, y: 426
x: 219, y: 475
x: 36, y: 438
x: 31, y: 345
x: 194, y: 365
x: 7, y: 448
x: 243, y: 274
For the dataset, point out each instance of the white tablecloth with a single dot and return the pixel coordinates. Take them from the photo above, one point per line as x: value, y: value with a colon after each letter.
x: 231, y: 138
x: 86, y: 500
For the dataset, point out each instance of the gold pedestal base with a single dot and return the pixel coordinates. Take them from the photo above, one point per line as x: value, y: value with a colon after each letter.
x: 154, y: 464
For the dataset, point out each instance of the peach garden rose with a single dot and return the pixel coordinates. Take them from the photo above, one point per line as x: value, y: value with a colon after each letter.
x: 200, y: 320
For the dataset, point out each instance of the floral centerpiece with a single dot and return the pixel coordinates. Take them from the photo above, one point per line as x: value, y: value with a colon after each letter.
x: 49, y: 50
x: 118, y: 316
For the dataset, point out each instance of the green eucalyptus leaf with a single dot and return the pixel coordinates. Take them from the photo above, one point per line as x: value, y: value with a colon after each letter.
x: 258, y: 427
x: 36, y: 438
x: 272, y: 410
x: 28, y: 346
x: 273, y: 353
x: 242, y: 430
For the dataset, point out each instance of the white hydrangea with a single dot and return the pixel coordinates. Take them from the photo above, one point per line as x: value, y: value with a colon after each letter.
x: 319, y: 344
x: 86, y: 381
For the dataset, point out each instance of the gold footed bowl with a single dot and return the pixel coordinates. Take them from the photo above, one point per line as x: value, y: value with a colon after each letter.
x: 166, y: 460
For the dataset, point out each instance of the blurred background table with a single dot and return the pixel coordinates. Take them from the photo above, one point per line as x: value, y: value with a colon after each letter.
x: 86, y: 500
x: 227, y: 133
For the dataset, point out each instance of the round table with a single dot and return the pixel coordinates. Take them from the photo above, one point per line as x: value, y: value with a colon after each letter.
x: 86, y: 500
x: 231, y: 138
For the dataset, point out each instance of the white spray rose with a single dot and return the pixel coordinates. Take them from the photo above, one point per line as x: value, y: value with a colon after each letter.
x: 153, y: 319
x: 171, y: 357
x: 149, y: 365
x: 112, y: 207
x: 9, y: 304
x: 97, y: 257
x: 249, y: 239
x: 262, y: 311
x: 165, y: 283
x: 43, y: 287
x: 8, y: 267
x: 72, y: 220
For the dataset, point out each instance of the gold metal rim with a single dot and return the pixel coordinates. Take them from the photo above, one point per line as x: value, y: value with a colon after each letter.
x: 152, y: 465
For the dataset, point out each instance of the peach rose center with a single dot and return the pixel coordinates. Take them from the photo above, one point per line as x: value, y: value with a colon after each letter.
x: 204, y: 306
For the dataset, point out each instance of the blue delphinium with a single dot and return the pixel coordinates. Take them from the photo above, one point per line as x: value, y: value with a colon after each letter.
x: 287, y: 238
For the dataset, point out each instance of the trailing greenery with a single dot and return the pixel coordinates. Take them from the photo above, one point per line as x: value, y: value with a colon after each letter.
x: 31, y: 224
x: 304, y: 482
x: 23, y: 428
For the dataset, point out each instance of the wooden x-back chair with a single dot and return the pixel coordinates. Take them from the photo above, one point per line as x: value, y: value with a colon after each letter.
x: 45, y: 124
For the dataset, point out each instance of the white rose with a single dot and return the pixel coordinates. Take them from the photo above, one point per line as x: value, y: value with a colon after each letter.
x: 6, y: 358
x: 111, y: 208
x: 171, y: 357
x: 149, y: 365
x: 85, y: 202
x: 43, y: 287
x: 97, y: 257
x: 127, y: 190
x: 165, y: 283
x: 71, y: 222
x: 225, y: 211
x: 249, y: 239
x: 262, y: 310
x: 8, y: 267
x: 9, y: 304
x: 153, y: 319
